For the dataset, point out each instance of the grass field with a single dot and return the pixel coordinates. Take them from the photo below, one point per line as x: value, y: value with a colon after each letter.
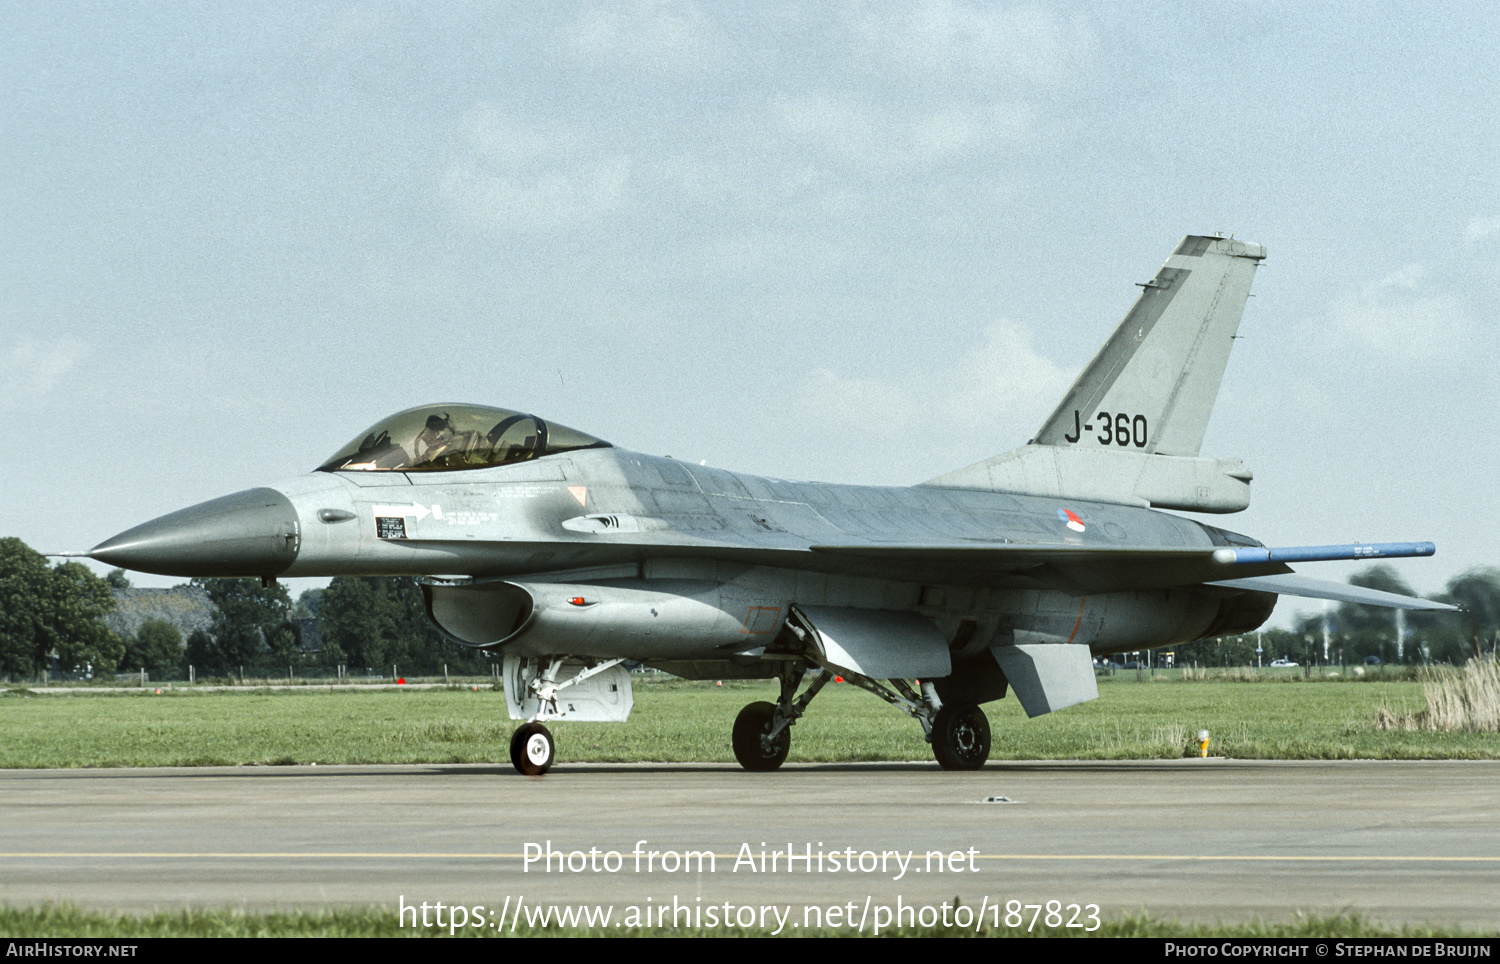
x: 1269, y: 717
x: 1285, y: 718
x: 62, y: 921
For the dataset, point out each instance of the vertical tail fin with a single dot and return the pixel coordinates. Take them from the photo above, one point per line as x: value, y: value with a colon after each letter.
x: 1130, y: 428
x: 1152, y: 386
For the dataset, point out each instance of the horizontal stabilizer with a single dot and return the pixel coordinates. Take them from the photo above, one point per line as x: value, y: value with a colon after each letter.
x: 1378, y: 550
x: 1292, y: 584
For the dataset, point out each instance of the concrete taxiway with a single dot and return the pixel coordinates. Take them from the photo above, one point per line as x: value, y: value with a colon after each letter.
x: 1207, y: 840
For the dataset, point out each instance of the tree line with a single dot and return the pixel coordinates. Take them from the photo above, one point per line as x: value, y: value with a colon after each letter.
x: 1354, y: 633
x: 52, y: 618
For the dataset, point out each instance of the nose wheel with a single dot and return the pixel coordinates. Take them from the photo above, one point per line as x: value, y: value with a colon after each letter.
x: 531, y: 749
x: 961, y: 737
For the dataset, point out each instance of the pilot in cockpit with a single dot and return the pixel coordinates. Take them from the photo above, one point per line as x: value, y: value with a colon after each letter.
x: 438, y: 439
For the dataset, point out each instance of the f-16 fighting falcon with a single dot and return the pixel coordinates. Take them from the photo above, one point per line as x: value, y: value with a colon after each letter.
x: 565, y: 556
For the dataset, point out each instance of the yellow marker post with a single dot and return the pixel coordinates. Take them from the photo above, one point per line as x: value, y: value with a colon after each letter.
x: 1203, y: 744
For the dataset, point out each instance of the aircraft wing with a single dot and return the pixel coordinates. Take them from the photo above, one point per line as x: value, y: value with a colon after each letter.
x: 1077, y: 569
x: 1095, y: 569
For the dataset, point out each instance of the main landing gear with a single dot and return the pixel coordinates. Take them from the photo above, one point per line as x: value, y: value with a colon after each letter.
x: 960, y: 737
x: 959, y: 732
x: 762, y: 734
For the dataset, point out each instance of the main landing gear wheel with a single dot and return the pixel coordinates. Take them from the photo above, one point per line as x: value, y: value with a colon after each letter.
x: 754, y: 722
x: 961, y: 737
x: 532, y: 749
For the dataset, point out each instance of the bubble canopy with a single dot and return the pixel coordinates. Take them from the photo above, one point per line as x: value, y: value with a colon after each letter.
x: 448, y: 438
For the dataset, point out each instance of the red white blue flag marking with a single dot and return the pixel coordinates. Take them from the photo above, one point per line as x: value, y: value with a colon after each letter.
x: 1070, y: 518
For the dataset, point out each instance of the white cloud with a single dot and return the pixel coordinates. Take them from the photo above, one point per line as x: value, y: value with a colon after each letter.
x: 864, y: 133
x: 524, y: 175
x: 653, y: 34
x: 984, y: 44
x: 1402, y: 316
x: 34, y: 366
x: 1480, y: 228
x: 1000, y: 389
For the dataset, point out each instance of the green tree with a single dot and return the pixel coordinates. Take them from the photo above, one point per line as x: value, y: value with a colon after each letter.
x: 1223, y: 651
x: 46, y: 612
x: 200, y: 653
x: 251, y: 627
x: 1365, y: 631
x: 156, y: 648
x: 307, y: 604
x: 373, y: 622
x: 1456, y: 637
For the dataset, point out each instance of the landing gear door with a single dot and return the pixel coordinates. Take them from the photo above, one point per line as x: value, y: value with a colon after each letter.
x: 605, y: 697
x: 878, y: 643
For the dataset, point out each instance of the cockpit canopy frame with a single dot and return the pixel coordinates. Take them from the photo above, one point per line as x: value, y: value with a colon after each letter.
x: 455, y: 437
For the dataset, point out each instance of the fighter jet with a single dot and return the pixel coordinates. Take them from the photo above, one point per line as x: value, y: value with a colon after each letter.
x: 565, y: 556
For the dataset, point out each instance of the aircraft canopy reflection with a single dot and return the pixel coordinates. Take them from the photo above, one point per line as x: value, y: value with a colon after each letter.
x: 446, y: 438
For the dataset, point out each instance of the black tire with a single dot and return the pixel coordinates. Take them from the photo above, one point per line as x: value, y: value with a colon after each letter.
x: 532, y: 749
x: 961, y: 737
x: 753, y: 722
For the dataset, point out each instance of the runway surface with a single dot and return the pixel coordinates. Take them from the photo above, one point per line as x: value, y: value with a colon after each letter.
x: 1206, y: 840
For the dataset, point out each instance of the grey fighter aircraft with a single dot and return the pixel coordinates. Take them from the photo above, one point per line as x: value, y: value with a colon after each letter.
x: 565, y: 556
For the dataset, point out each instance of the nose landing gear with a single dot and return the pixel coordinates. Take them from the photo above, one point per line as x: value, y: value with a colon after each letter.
x: 531, y: 749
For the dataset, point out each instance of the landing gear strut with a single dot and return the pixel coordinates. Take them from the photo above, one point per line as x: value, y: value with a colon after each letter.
x: 762, y: 732
x: 559, y: 688
x: 531, y: 749
x: 959, y: 733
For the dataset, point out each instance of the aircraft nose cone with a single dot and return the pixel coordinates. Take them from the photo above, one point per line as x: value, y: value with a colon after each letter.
x: 250, y: 533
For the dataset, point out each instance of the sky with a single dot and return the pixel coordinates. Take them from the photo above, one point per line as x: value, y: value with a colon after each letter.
x: 851, y: 242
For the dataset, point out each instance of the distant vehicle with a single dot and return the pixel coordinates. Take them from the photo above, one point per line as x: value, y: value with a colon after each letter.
x: 1372, y: 660
x: 1282, y: 662
x: 1107, y: 664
